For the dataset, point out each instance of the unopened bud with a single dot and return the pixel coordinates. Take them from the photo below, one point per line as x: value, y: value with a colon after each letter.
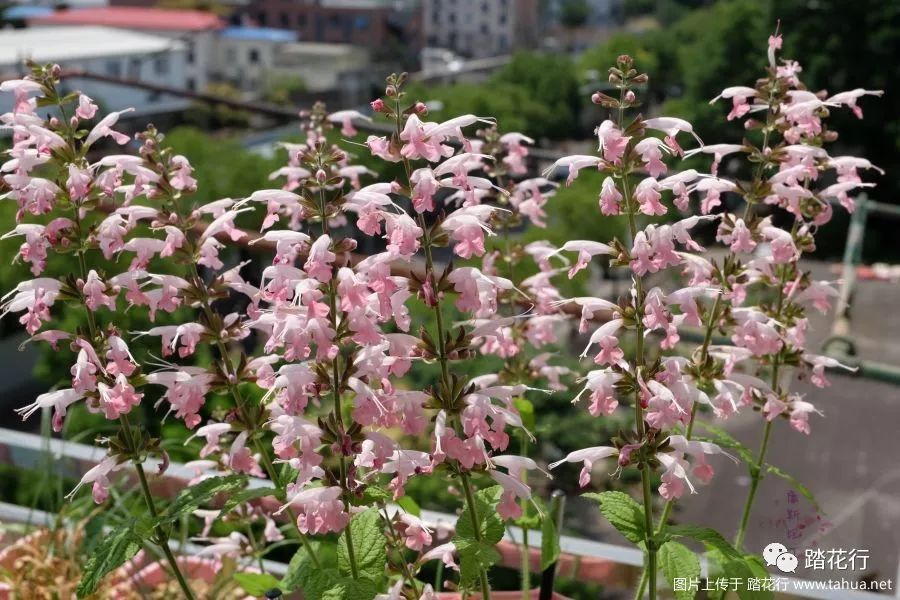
x: 321, y: 175
x: 56, y: 71
x: 73, y: 121
x: 640, y: 78
x: 378, y: 105
x: 54, y: 122
x: 596, y: 97
x: 630, y: 97
x: 421, y: 109
x: 390, y: 91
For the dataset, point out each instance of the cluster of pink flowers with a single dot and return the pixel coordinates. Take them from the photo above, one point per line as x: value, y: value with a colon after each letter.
x: 314, y: 362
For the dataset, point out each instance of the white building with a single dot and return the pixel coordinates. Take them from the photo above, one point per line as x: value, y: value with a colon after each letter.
x: 480, y: 28
x: 196, y: 29
x: 104, y: 51
x: 245, y: 56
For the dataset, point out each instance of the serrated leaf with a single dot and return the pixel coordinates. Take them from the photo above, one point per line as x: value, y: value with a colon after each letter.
x: 202, y: 493
x: 744, y: 568
x: 490, y: 524
x: 710, y: 537
x: 549, y: 542
x: 677, y: 561
x: 300, y: 568
x: 474, y: 558
x: 374, y: 494
x: 119, y: 546
x: 409, y: 505
x: 256, y: 584
x: 804, y: 491
x: 351, y: 589
x: 242, y: 496
x: 368, y: 546
x: 317, y: 582
x: 623, y: 513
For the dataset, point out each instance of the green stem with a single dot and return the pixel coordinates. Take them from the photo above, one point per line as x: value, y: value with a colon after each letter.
x: 163, y: 536
x: 650, y: 569
x: 756, y: 471
x: 756, y: 477
x: 476, y: 528
x: 123, y: 420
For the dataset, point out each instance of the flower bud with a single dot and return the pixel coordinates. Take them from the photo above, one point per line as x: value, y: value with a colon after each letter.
x: 321, y: 175
x: 56, y: 71
x: 630, y: 97
x: 390, y: 91
x: 378, y: 105
x: 421, y: 109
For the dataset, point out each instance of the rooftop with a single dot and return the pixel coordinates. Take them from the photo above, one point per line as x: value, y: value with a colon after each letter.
x: 260, y: 34
x: 68, y: 43
x: 133, y: 17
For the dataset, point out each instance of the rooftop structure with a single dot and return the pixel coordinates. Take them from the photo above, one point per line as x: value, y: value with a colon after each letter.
x: 133, y: 17
x: 64, y: 44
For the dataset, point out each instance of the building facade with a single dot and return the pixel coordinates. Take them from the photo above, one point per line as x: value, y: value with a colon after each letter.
x: 481, y: 28
x: 379, y: 25
x: 104, y: 51
x: 196, y: 30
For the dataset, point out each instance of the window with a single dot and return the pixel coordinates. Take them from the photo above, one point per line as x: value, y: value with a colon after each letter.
x: 253, y: 55
x: 191, y: 84
x: 114, y: 68
x: 134, y: 68
x: 285, y: 20
x: 190, y: 53
x: 161, y: 65
x: 301, y: 20
x: 261, y: 17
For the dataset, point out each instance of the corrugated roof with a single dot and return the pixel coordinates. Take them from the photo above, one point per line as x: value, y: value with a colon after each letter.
x: 263, y: 34
x: 132, y: 17
x: 60, y: 44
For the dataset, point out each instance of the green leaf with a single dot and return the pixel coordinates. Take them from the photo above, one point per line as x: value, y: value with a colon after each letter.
x: 204, y: 492
x: 351, y: 589
x: 474, y: 558
x: 477, y: 552
x: 119, y: 546
x: 710, y: 537
x: 804, y: 491
x: 242, y: 496
x: 526, y: 412
x: 623, y: 512
x: 725, y: 439
x: 490, y: 524
x: 374, y: 494
x: 256, y: 584
x: 368, y: 546
x: 318, y: 582
x: 744, y: 567
x: 549, y: 542
x: 299, y: 569
x: 409, y: 505
x: 678, y: 562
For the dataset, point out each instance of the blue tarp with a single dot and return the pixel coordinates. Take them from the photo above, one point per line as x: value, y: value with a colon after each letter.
x: 262, y: 34
x: 22, y: 12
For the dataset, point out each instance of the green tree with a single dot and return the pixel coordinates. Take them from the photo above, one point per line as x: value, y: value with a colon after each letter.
x: 574, y: 13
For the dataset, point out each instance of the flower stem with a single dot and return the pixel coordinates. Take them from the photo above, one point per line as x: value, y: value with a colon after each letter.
x: 161, y: 533
x: 93, y: 330
x: 476, y: 528
x: 756, y: 469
